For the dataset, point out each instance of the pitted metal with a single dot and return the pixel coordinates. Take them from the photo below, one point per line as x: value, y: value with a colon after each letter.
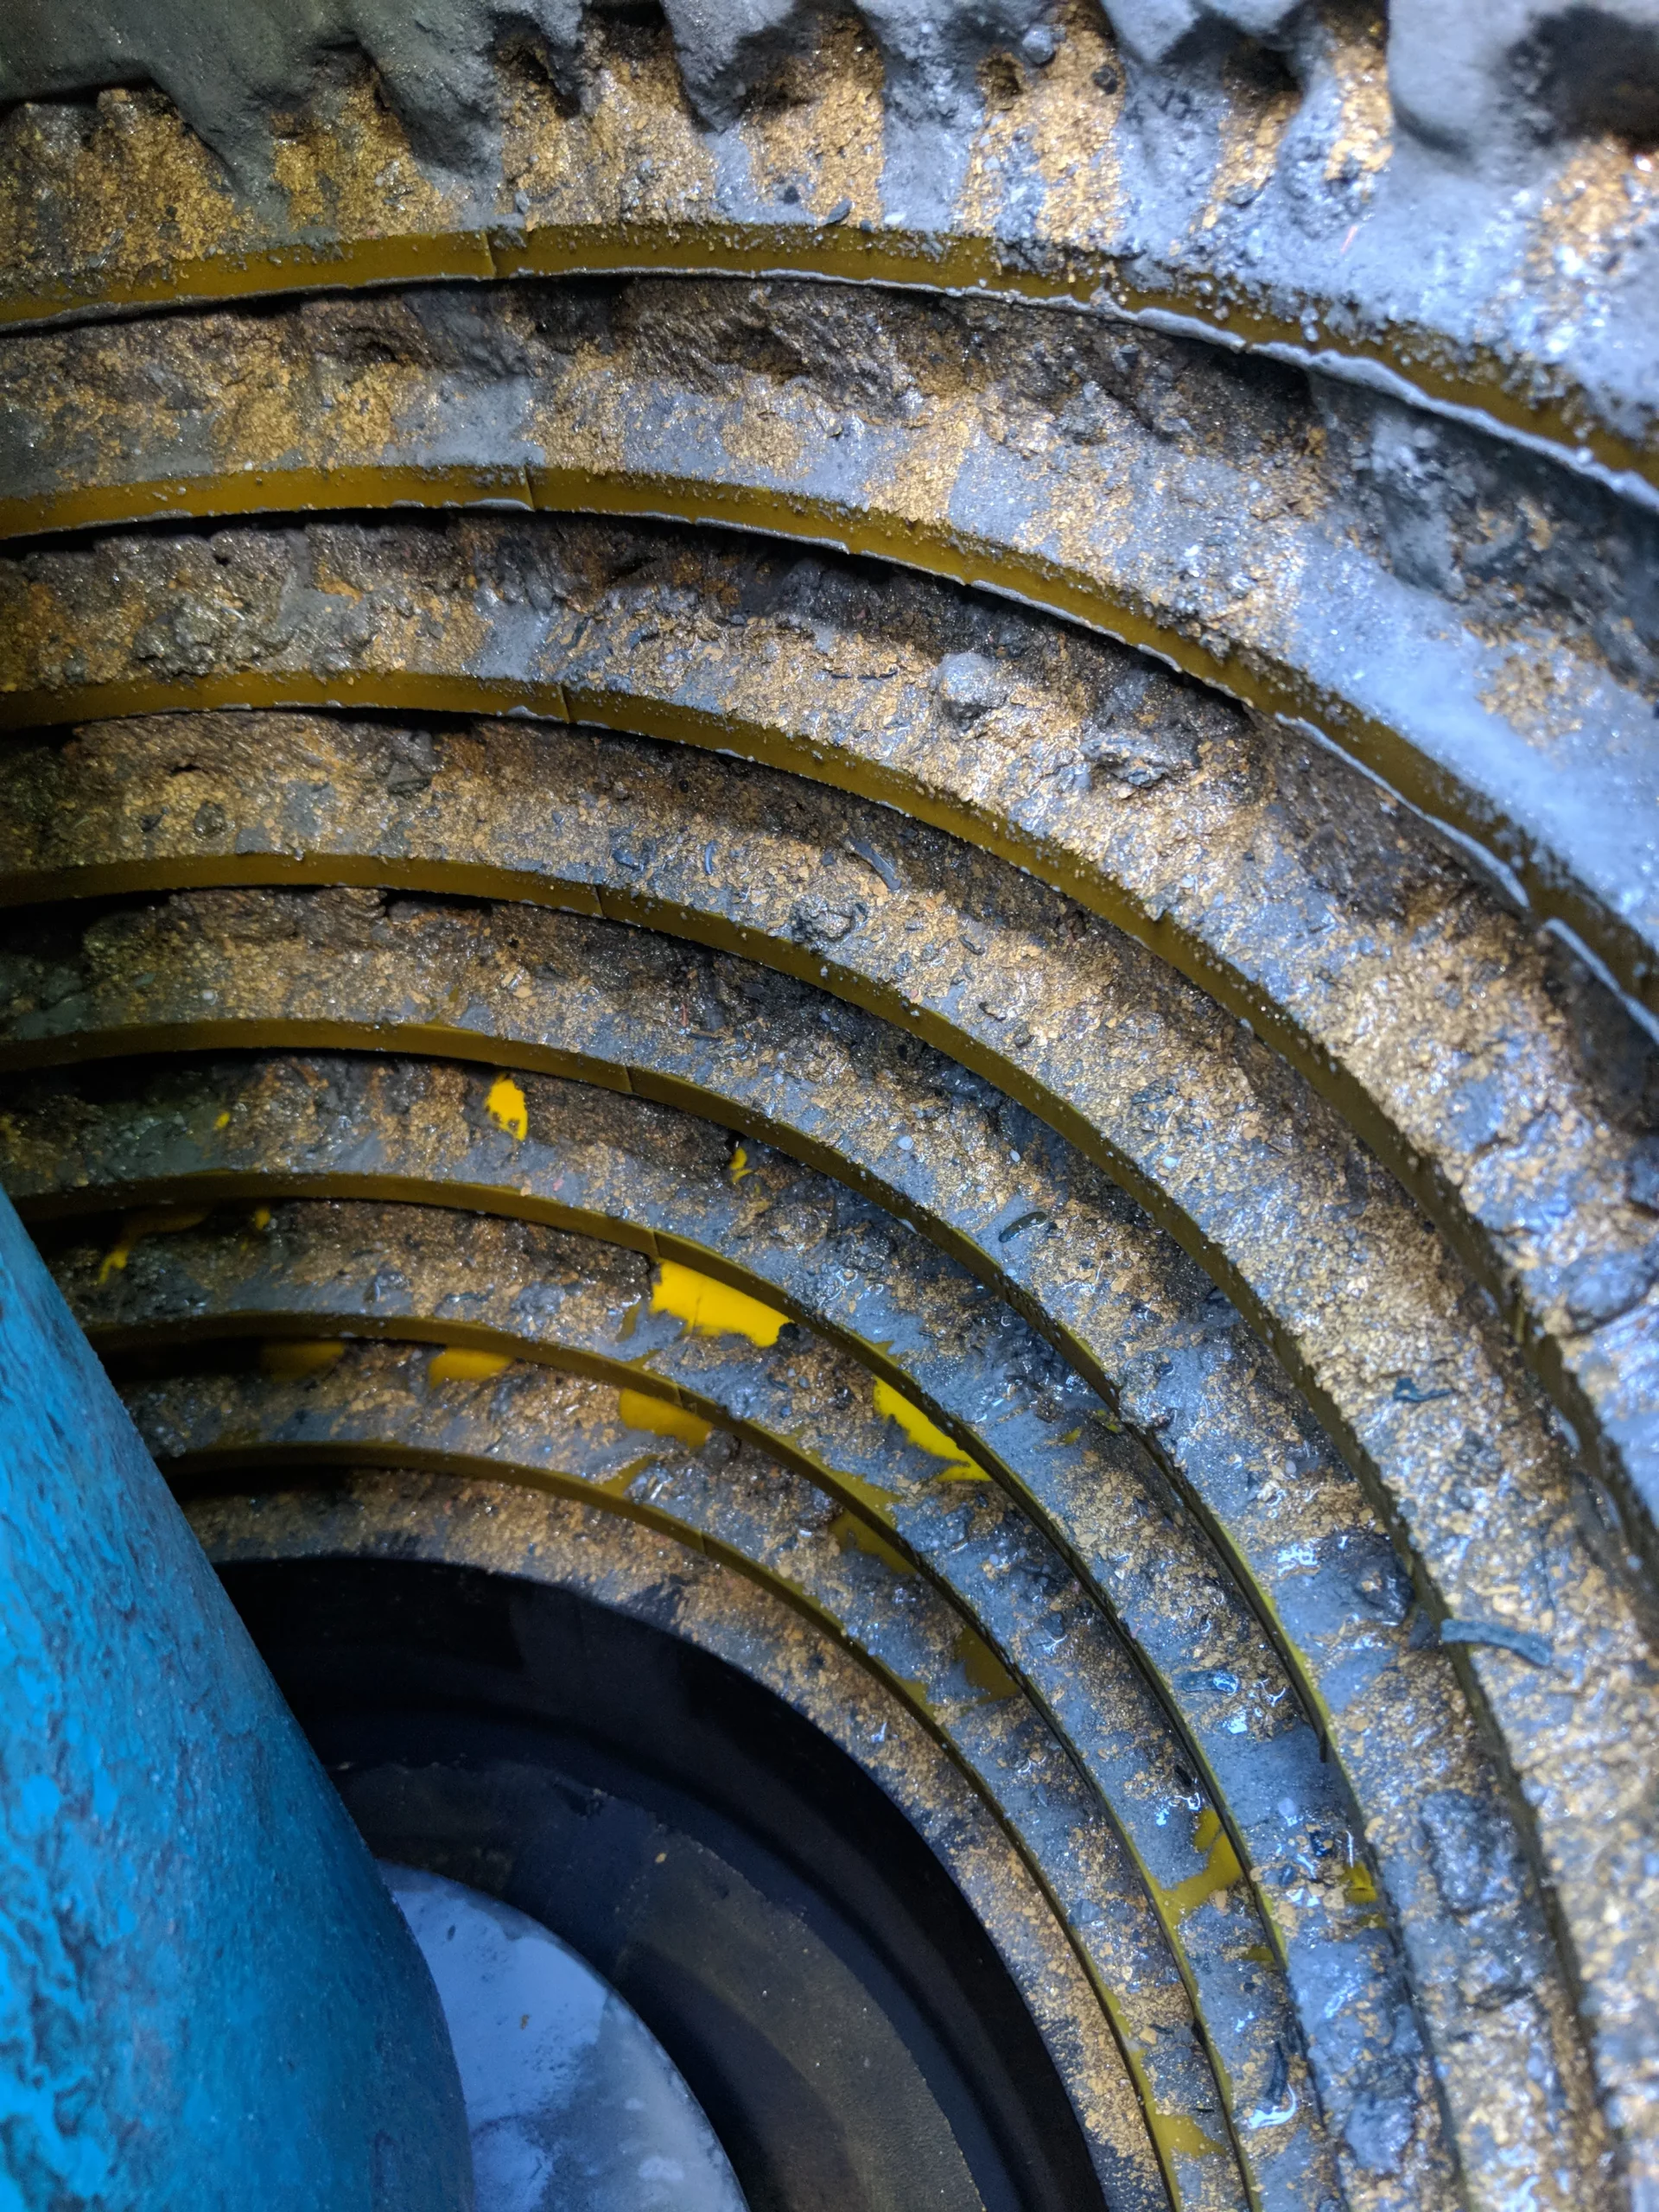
x: 1216, y: 522
x: 328, y: 1272
x: 378, y: 1405
x: 1276, y: 880
x: 1290, y: 1524
x: 957, y: 949
x: 1277, y: 179
x: 577, y: 1543
x: 347, y: 967
x: 1317, y: 372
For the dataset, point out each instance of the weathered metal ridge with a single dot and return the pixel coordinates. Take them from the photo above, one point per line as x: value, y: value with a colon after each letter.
x: 1224, y: 521
x: 548, y: 1298
x: 1208, y: 838
x: 526, y: 1528
x: 517, y: 986
x: 1404, y: 207
x: 376, y: 1406
x: 329, y: 1272
x: 1047, y: 1139
x: 1195, y: 1388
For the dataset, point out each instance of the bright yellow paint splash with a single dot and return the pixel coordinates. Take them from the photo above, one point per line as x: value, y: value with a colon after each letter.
x: 1176, y: 2133
x: 507, y: 1109
x: 712, y: 1308
x: 982, y: 1667
x: 1220, y: 1869
x: 222, y: 1121
x: 927, y: 1436
x: 853, y: 1534
x: 260, y: 1217
x: 157, y: 1221
x: 659, y: 1418
x: 1361, y: 1884
x: 741, y: 1165
x: 455, y: 1363
x: 293, y: 1359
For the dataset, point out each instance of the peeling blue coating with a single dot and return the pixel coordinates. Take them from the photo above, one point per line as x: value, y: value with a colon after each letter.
x: 207, y: 1997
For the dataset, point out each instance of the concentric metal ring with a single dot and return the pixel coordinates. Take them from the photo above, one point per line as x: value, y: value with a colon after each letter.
x: 1090, y: 1226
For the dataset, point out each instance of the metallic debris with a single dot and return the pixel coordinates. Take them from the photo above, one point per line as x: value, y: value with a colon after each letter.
x: 959, y: 958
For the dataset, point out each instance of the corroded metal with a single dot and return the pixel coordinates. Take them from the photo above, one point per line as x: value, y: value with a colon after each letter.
x: 931, y: 914
x: 1272, y: 198
x: 379, y: 1405
x: 953, y: 946
x: 951, y: 436
x: 347, y: 967
x: 334, y: 1272
x: 399, y: 1406
x: 1290, y: 1524
x: 1266, y: 872
x: 622, y: 1563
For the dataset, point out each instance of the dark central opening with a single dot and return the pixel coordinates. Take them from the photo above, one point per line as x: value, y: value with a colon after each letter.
x: 806, y: 1961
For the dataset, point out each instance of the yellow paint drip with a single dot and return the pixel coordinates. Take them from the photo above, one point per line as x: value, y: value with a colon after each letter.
x: 927, y: 1436
x: 292, y: 1360
x: 1220, y: 1871
x: 507, y: 1109
x: 156, y: 1221
x: 741, y: 1165
x: 1360, y: 1884
x: 456, y: 1363
x: 853, y: 1534
x: 1179, y: 2137
x: 711, y: 1308
x: 659, y: 1418
x: 260, y: 1217
x: 982, y: 1667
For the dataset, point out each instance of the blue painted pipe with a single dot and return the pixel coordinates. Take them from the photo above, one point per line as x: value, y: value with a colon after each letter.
x: 207, y: 1997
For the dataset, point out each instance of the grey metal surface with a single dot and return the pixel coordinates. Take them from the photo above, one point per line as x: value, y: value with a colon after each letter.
x: 573, y: 2103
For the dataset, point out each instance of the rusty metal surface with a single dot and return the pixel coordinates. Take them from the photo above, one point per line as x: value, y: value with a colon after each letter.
x: 378, y: 1404
x: 1268, y: 196
x: 566, y: 1542
x: 948, y: 942
x: 351, y: 967
x: 1268, y: 874
x: 1221, y: 522
x: 1291, y: 1526
x: 887, y: 906
x: 327, y: 1272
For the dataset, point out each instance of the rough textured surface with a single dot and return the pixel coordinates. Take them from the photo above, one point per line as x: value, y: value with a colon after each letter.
x: 1148, y: 491
x: 539, y: 1428
x: 1484, y: 245
x: 618, y: 1007
x: 1226, y: 1447
x: 1275, y: 876
x: 1310, y: 355
x: 1504, y: 79
x: 207, y: 1989
x: 229, y: 66
x: 658, y: 1578
x: 328, y: 1272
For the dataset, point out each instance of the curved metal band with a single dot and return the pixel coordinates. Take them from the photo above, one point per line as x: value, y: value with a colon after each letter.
x: 582, y: 1542
x: 398, y: 1271
x: 562, y: 1432
x: 1048, y: 180
x: 928, y: 438
x: 1200, y: 1391
x: 435, y: 950
x: 1197, y: 862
